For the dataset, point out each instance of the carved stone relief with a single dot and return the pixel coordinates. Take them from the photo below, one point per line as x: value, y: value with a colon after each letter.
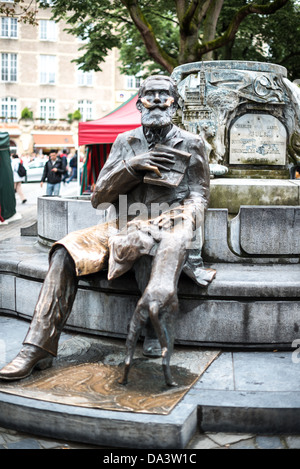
x: 214, y: 94
x: 257, y: 139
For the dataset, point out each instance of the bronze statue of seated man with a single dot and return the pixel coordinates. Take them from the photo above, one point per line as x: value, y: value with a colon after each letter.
x: 160, y: 171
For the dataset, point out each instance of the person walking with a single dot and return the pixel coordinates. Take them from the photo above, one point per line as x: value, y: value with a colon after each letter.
x: 15, y: 163
x: 73, y: 166
x: 53, y: 172
x: 64, y: 156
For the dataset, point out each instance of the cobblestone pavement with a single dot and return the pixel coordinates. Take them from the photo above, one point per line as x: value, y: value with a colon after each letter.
x: 11, y: 439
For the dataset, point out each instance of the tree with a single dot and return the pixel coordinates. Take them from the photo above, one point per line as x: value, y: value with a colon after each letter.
x: 278, y: 39
x: 22, y: 9
x: 158, y: 36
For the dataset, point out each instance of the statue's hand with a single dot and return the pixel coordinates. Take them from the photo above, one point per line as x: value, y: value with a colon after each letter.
x: 169, y: 219
x: 152, y: 161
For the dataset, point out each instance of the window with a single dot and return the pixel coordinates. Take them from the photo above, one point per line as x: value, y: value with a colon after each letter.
x: 8, y: 67
x: 84, y: 78
x: 47, y: 69
x: 48, y: 30
x: 47, y: 109
x: 8, y: 109
x: 86, y: 109
x: 9, y: 27
x: 133, y: 81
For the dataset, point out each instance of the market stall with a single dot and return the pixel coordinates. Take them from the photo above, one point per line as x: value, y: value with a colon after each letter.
x: 99, y: 135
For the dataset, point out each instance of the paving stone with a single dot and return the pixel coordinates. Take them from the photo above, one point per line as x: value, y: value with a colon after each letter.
x: 223, y: 439
x: 293, y: 442
x: 219, y: 375
x: 258, y: 371
x: 12, y: 438
x: 202, y: 442
x: 50, y: 444
x: 27, y: 443
x: 8, y: 431
x: 245, y: 444
x: 269, y: 442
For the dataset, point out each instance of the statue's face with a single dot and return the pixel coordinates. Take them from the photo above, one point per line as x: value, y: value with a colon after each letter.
x: 157, y: 104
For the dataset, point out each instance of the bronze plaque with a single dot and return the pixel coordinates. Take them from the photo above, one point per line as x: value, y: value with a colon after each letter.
x: 87, y: 373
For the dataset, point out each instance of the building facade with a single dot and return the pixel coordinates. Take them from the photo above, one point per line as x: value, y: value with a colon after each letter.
x: 41, y: 88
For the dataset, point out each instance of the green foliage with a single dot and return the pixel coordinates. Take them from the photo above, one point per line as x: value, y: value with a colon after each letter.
x: 273, y: 38
x: 74, y: 116
x: 157, y: 36
x: 26, y: 113
x: 133, y: 53
x: 22, y: 9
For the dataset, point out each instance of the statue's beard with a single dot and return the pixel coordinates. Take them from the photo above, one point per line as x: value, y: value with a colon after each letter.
x: 157, y: 116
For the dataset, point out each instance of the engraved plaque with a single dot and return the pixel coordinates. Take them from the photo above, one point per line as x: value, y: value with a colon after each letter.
x: 258, y: 139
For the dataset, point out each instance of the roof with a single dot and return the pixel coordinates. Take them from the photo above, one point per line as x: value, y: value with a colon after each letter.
x: 105, y: 130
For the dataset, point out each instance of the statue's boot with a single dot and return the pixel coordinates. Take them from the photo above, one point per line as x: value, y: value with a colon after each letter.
x: 29, y: 358
x: 50, y: 315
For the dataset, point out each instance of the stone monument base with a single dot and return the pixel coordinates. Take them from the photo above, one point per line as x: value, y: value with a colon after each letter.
x: 258, y: 173
x: 233, y: 192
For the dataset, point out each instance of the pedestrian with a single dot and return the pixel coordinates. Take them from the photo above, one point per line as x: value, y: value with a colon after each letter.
x: 73, y: 166
x: 64, y: 157
x: 53, y: 172
x: 15, y: 163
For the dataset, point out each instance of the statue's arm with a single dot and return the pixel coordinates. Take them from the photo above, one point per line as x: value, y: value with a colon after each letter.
x: 194, y: 205
x: 116, y: 176
x: 198, y: 174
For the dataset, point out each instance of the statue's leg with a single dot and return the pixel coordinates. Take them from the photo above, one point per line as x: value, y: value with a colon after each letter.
x: 163, y: 322
x: 142, y: 269
x: 55, y: 302
x: 51, y: 312
x: 137, y: 322
x: 162, y: 294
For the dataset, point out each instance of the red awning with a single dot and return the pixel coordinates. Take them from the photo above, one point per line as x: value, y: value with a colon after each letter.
x: 52, y: 140
x: 105, y: 130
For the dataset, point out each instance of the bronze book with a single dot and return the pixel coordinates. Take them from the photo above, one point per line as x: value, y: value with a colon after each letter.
x: 173, y: 177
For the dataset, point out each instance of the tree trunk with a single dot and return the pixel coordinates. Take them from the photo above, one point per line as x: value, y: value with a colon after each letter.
x: 210, y: 24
